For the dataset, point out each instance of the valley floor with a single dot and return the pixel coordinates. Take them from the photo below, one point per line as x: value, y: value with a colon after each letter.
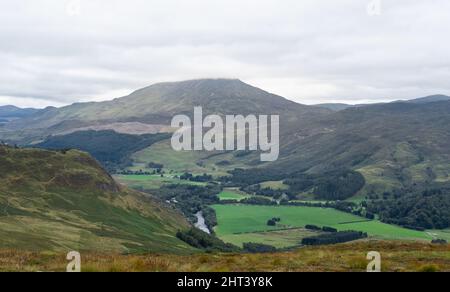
x: 396, y: 257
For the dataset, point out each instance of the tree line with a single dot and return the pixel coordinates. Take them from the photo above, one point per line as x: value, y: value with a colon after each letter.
x: 201, y: 240
x: 334, y: 238
x: 420, y: 208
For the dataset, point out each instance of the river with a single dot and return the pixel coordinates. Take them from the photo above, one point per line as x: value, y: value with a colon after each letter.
x: 201, y: 223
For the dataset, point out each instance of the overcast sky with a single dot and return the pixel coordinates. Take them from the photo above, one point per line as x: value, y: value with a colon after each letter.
x: 56, y: 52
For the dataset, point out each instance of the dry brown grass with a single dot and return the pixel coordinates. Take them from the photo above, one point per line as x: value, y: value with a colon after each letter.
x: 396, y: 257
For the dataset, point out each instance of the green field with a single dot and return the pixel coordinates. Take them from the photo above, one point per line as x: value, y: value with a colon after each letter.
x: 183, y: 161
x: 237, y: 223
x: 441, y: 234
x: 196, y: 162
x: 275, y: 185
x: 278, y: 238
x: 232, y: 195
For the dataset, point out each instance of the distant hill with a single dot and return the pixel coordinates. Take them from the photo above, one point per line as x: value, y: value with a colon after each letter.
x: 65, y: 201
x: 10, y: 111
x: 335, y: 106
x: 157, y: 104
x: 431, y: 98
x: 422, y: 100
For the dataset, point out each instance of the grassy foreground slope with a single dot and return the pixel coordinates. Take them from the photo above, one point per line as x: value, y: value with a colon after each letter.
x: 65, y: 201
x: 395, y: 256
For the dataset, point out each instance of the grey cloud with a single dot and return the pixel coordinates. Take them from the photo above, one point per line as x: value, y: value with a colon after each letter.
x: 310, y: 51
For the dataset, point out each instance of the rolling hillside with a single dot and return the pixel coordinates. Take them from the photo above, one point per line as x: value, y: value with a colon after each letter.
x: 65, y: 201
x: 393, y: 145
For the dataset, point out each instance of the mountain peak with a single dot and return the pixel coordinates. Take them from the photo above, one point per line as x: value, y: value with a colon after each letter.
x: 158, y: 103
x: 215, y: 95
x: 203, y: 84
x: 202, y: 81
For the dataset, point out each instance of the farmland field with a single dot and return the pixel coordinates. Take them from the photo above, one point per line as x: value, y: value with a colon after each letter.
x: 183, y: 161
x: 232, y: 195
x: 237, y: 223
x: 275, y: 185
x: 277, y: 238
x: 443, y: 234
x: 196, y: 162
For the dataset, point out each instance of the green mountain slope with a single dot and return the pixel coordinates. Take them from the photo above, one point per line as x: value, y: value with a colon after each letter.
x: 65, y: 201
x: 393, y: 145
